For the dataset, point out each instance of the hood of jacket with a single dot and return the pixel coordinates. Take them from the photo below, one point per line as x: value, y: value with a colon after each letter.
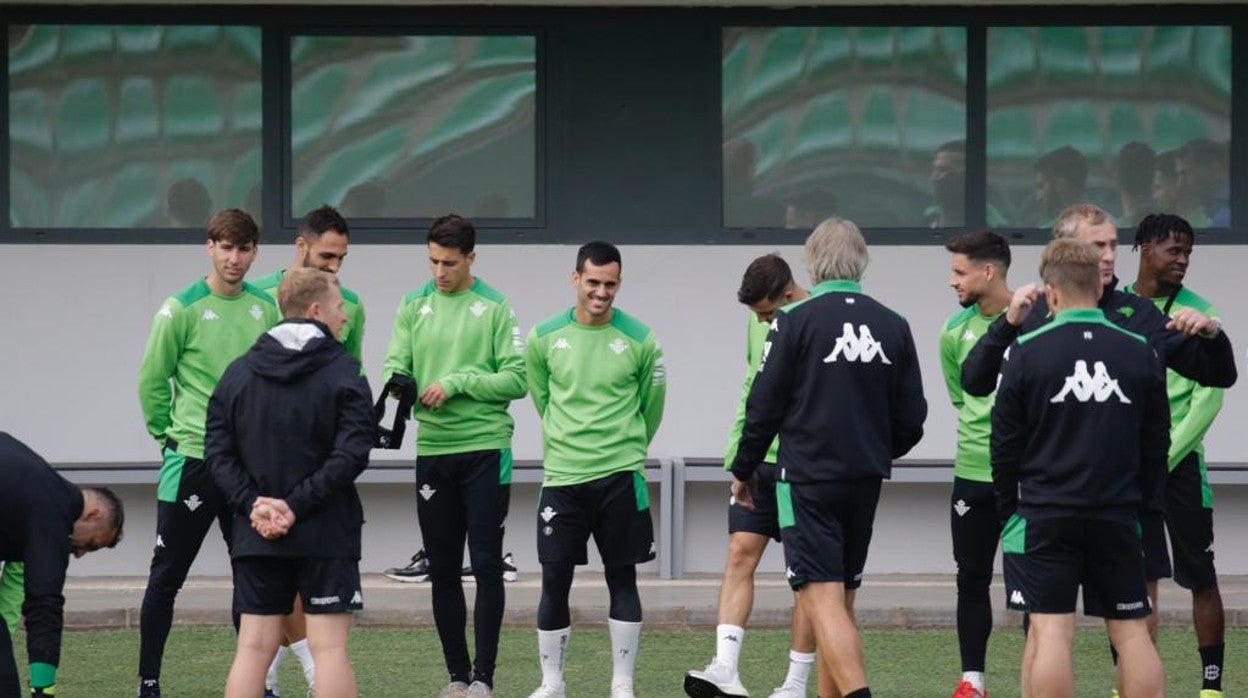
x: 293, y: 349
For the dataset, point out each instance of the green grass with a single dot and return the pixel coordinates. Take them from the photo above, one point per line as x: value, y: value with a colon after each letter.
x: 408, y: 662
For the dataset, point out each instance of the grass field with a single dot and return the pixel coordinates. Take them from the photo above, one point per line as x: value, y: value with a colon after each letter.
x: 407, y: 663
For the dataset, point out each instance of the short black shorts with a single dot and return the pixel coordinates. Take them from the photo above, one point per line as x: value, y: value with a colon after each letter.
x: 1189, y: 519
x: 1153, y: 538
x: 826, y: 528
x: 1047, y: 560
x: 763, y: 519
x: 614, y: 509
x: 266, y: 586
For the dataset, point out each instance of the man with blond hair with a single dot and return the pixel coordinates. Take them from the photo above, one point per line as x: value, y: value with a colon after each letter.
x: 839, y: 382
x: 1080, y: 431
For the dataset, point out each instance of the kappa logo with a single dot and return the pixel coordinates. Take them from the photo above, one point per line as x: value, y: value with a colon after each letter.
x: 208, y: 315
x: 968, y: 336
x: 324, y: 600
x: 548, y: 514
x: 1098, y: 385
x: 357, y: 597
x: 860, y: 347
x: 1133, y: 606
x: 517, y: 342
x: 427, y: 492
x: 426, y: 309
x: 789, y: 573
x: 193, y: 502
x: 562, y: 343
x: 618, y: 346
x: 256, y: 312
x: 659, y: 376
x: 961, y: 507
x: 653, y: 549
x: 160, y: 542
x: 165, y: 311
x: 478, y: 309
x: 1016, y: 598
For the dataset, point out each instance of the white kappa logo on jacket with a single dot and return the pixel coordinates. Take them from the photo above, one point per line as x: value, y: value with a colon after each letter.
x: 1098, y: 385
x: 860, y: 347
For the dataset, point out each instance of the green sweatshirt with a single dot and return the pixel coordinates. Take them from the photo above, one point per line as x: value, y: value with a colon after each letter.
x: 1193, y: 407
x: 352, y: 336
x: 961, y: 332
x: 755, y: 337
x: 599, y: 390
x: 470, y: 343
x: 195, y: 335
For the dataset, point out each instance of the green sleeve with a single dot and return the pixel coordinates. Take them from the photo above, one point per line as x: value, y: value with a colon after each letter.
x: 653, y: 382
x: 537, y: 373
x: 399, y: 353
x: 355, y: 340
x: 12, y: 593
x: 160, y: 362
x: 951, y: 367
x: 1186, y: 435
x: 507, y: 382
x: 738, y: 420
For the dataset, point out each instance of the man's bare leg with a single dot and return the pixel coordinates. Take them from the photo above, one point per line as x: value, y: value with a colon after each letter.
x: 258, y: 638
x: 327, y: 634
x: 1052, y: 674
x: 829, y: 607
x: 1138, y: 662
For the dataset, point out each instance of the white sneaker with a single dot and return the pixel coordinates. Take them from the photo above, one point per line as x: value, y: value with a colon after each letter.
x: 478, y: 689
x: 787, y: 691
x: 621, y: 690
x: 545, y: 691
x: 455, y: 689
x: 714, y: 681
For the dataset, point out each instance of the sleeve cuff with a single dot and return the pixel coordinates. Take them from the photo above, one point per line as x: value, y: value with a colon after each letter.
x: 42, y: 674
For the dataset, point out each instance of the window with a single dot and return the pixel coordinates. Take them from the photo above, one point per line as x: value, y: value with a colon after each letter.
x: 867, y: 123
x: 132, y: 126
x: 415, y: 126
x: 1135, y: 119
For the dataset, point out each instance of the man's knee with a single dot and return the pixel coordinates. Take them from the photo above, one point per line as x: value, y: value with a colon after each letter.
x: 744, y: 552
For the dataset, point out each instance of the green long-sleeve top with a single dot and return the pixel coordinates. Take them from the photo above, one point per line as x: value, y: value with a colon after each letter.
x: 469, y: 342
x: 755, y: 338
x: 599, y: 390
x: 962, y: 331
x: 352, y: 334
x: 195, y: 335
x: 1193, y: 407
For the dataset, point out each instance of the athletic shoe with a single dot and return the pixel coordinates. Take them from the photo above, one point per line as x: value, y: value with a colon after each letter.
x: 1210, y: 693
x: 545, y: 691
x: 272, y: 692
x: 416, y: 571
x: 479, y: 690
x: 621, y: 690
x: 455, y: 689
x: 787, y: 691
x: 510, y: 574
x: 149, y: 688
x: 715, y: 681
x: 967, y: 690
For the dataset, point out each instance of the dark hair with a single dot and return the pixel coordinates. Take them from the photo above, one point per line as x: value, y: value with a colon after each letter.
x: 767, y: 277
x: 1064, y: 163
x: 233, y: 225
x: 981, y: 246
x: 1156, y: 227
x: 1136, y: 163
x: 116, y: 512
x: 599, y: 254
x: 188, y: 202
x: 322, y: 220
x: 453, y: 231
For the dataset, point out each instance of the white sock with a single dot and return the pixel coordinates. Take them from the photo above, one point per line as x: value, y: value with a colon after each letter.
x: 799, y: 668
x: 625, y: 638
x: 552, y: 645
x: 728, y: 640
x: 304, y: 654
x: 975, y: 678
x: 270, y: 679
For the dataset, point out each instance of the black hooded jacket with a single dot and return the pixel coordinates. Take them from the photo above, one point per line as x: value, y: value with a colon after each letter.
x: 293, y: 419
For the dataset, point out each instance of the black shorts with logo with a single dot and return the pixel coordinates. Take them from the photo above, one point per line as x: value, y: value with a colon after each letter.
x: 763, y: 519
x: 826, y: 528
x: 1189, y: 519
x: 614, y: 509
x: 1047, y: 560
x: 266, y: 586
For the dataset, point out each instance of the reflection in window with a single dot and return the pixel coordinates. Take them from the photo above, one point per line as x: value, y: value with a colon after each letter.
x: 866, y: 123
x: 415, y: 126
x: 1134, y: 119
x: 132, y: 126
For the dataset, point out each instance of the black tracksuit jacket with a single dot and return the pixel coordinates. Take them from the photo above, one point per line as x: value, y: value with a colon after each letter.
x: 839, y: 381
x: 1210, y: 362
x: 1081, y: 422
x: 293, y: 424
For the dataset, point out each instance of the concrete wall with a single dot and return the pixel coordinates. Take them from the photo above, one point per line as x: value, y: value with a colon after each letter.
x: 76, y: 319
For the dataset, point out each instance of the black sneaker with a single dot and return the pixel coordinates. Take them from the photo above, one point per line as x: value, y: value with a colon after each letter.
x: 510, y: 574
x: 149, y: 688
x: 416, y: 571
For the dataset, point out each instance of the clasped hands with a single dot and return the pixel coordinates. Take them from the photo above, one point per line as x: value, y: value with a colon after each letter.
x: 271, y: 518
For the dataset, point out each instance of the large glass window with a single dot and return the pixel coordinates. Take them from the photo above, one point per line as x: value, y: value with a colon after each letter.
x: 132, y: 126
x: 867, y: 123
x: 415, y: 126
x: 1135, y: 119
